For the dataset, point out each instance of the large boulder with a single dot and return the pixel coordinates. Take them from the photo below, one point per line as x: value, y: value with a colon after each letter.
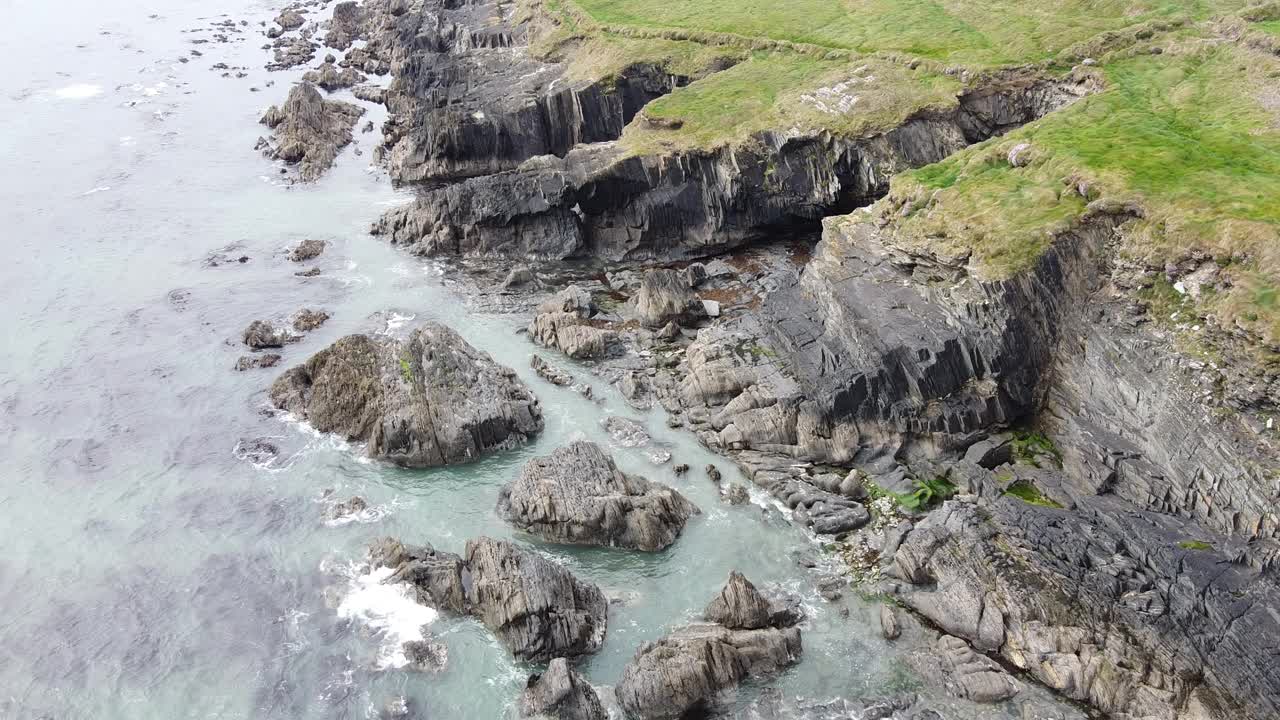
x: 426, y: 401
x: 534, y: 606
x: 578, y: 496
x: 564, y: 322
x: 667, y: 296
x: 693, y: 665
x: 562, y: 694
x: 308, y: 130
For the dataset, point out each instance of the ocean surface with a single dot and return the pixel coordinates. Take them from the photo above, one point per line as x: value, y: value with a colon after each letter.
x: 152, y: 568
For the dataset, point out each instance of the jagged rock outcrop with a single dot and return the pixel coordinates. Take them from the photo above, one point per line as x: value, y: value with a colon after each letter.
x: 739, y: 605
x: 602, y: 201
x: 308, y: 130
x: 564, y: 322
x: 667, y: 296
x: 578, y: 496
x: 426, y: 401
x: 561, y: 694
x: 1107, y: 604
x: 346, y: 26
x: 330, y: 78
x: 691, y: 666
x: 536, y: 607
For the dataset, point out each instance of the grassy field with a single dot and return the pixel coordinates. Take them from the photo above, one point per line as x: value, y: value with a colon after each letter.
x: 1189, y: 135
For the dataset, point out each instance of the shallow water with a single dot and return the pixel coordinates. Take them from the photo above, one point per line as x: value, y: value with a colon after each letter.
x: 152, y: 572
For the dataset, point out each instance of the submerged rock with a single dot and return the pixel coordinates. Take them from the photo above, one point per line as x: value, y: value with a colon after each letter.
x: 308, y: 131
x: 426, y: 401
x: 261, y: 335
x: 536, y: 607
x: 692, y: 666
x: 578, y: 496
x: 562, y: 694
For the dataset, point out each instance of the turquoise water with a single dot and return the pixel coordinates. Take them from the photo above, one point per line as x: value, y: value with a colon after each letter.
x: 150, y: 572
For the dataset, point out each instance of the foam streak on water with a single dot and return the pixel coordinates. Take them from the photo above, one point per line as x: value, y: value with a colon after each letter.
x: 390, y: 610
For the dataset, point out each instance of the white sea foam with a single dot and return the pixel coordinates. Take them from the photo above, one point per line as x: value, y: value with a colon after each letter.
x: 395, y: 322
x: 78, y: 91
x: 390, y: 610
x: 101, y: 188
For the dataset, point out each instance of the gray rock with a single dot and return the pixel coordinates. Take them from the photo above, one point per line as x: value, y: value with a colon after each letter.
x: 265, y: 360
x: 520, y: 275
x: 369, y: 93
x: 306, y: 320
x: 578, y: 496
x: 736, y: 494
x: 563, y: 322
x: 426, y: 656
x: 626, y: 432
x: 889, y: 626
x: 290, y: 19
x: 308, y: 131
x: 534, y: 606
x: 346, y: 25
x: 261, y: 335
x: 426, y: 401
x: 665, y: 296
x: 308, y: 249
x: 346, y: 508
x: 562, y: 694
x: 549, y: 372
x: 739, y: 606
x: 973, y: 676
x: 329, y: 78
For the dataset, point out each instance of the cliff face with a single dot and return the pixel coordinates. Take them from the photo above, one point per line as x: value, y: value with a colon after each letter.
x: 599, y: 201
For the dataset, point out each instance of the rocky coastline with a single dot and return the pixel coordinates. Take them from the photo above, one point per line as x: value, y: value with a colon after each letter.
x: 1052, y: 490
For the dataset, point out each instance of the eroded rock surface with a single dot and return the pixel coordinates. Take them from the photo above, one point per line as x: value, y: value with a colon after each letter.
x: 534, y: 606
x: 578, y: 496
x: 692, y: 665
x: 429, y: 400
x: 564, y: 322
x: 562, y: 694
x: 308, y: 130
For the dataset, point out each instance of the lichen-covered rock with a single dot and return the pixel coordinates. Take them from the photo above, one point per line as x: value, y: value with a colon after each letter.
x: 560, y: 693
x: 578, y: 496
x: 534, y: 606
x: 667, y: 296
x: 426, y: 401
x: 308, y: 130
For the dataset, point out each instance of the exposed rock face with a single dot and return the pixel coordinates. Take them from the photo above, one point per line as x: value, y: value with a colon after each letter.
x: 598, y: 200
x: 261, y: 335
x: 562, y: 322
x: 1101, y: 604
x: 667, y: 296
x: 426, y: 401
x: 308, y: 249
x: 308, y: 131
x: 692, y: 665
x: 537, y: 608
x: 562, y: 694
x: 578, y: 496
x: 346, y: 25
x: 330, y: 78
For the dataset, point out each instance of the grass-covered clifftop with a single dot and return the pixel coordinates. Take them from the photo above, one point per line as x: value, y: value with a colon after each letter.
x: 1185, y: 129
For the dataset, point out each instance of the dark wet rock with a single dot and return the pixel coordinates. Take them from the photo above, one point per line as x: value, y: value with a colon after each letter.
x: 562, y: 694
x: 426, y: 655
x: 680, y: 469
x: 426, y: 401
x: 666, y: 296
x: 291, y: 52
x: 262, y: 335
x: 713, y: 473
x: 352, y: 506
x: 563, y: 322
x: 536, y: 607
x: 578, y: 496
x: 369, y: 93
x: 257, y: 450
x: 330, y: 78
x: 306, y: 320
x: 308, y: 131
x: 690, y: 667
x: 308, y: 249
x: 264, y: 360
x: 308, y: 273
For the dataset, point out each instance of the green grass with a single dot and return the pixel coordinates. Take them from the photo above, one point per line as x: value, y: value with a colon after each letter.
x: 1026, y: 491
x: 971, y: 32
x: 1195, y: 545
x: 929, y: 493
x: 1029, y: 447
x: 1190, y: 136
